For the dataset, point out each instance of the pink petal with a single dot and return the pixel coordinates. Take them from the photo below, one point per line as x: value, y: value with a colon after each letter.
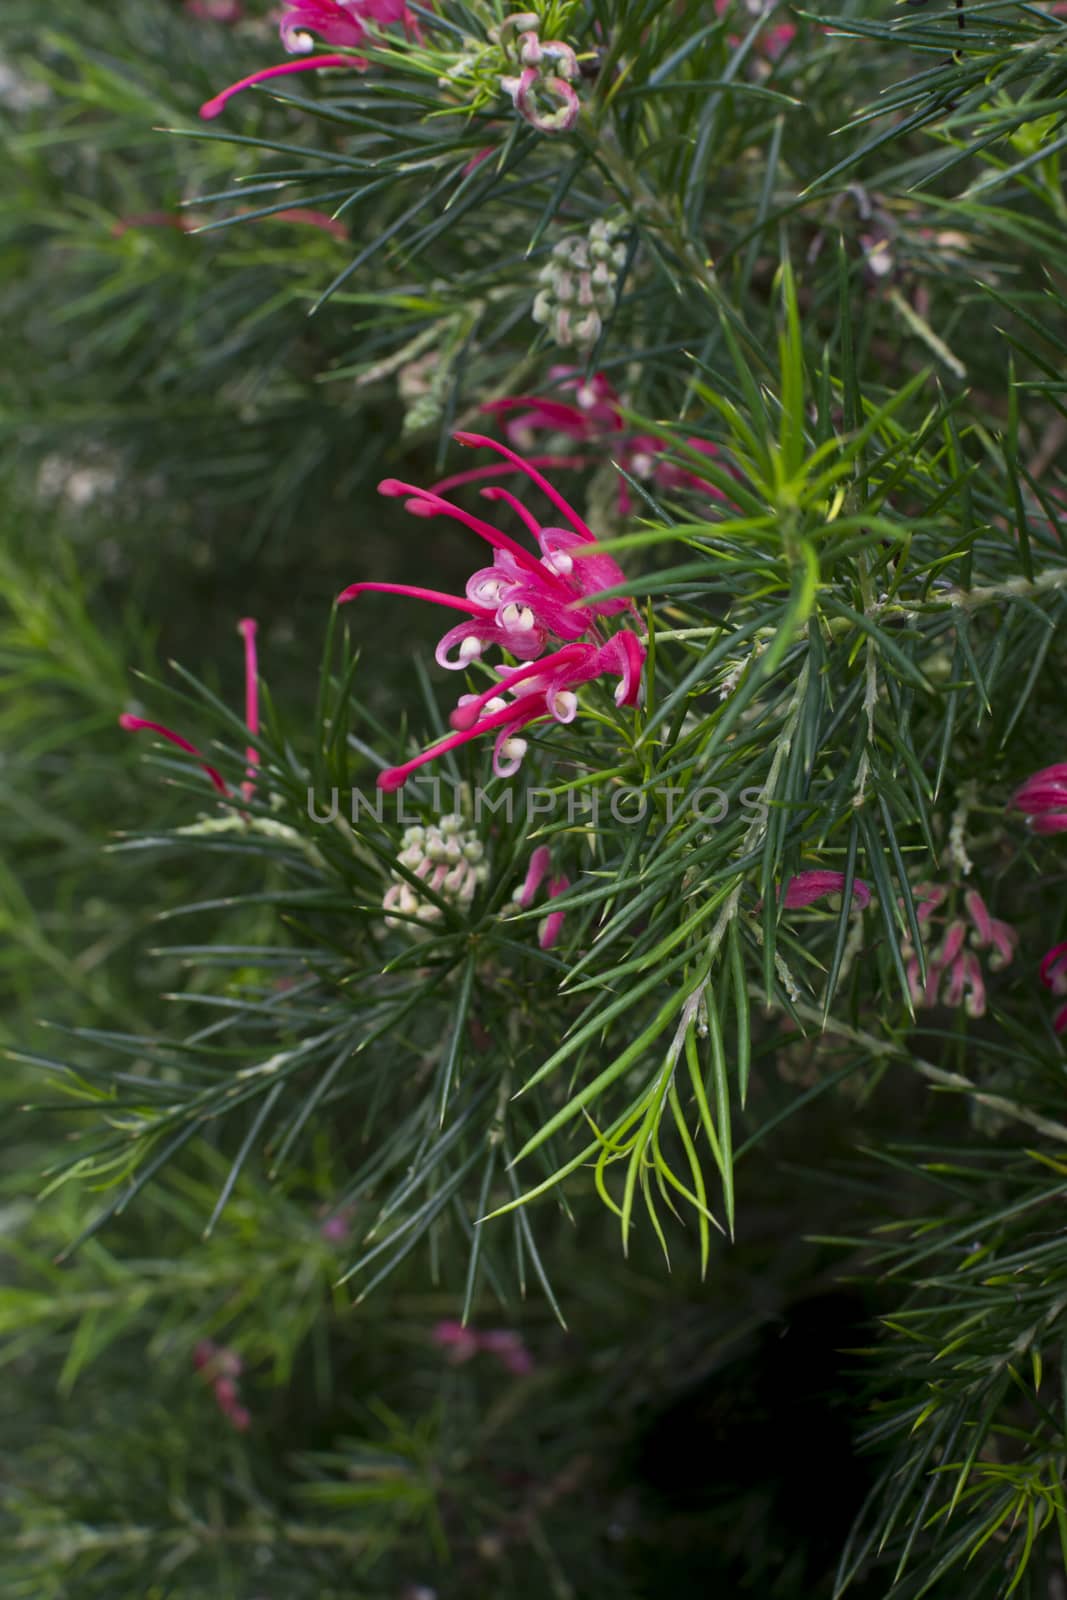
x: 540, y: 863
x: 812, y: 885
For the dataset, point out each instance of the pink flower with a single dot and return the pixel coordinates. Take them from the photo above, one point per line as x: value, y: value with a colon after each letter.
x: 550, y: 928
x: 337, y: 1225
x: 338, y: 22
x: 222, y: 1367
x: 507, y: 1346
x: 812, y: 885
x: 247, y: 629
x: 460, y: 1342
x: 538, y: 869
x: 1053, y: 971
x: 211, y: 108
x: 1043, y: 797
x: 520, y: 603
x: 464, y: 1343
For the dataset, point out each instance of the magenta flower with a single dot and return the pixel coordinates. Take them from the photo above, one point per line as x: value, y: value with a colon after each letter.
x: 550, y: 927
x: 538, y: 869
x: 1043, y: 798
x: 814, y: 884
x: 337, y: 1225
x: 460, y: 1342
x: 1053, y: 971
x: 336, y: 22
x: 507, y: 1346
x: 520, y: 603
x: 247, y: 629
x: 221, y: 1368
x: 339, y: 22
x: 463, y: 1343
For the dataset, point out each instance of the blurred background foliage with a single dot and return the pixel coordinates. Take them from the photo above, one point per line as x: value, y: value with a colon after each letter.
x: 184, y: 445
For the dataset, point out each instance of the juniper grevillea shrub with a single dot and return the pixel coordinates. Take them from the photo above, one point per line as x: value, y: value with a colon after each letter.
x: 703, y: 366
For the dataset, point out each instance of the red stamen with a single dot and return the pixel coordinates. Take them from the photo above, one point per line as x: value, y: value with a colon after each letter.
x: 532, y: 473
x: 456, y: 602
x: 133, y: 724
x: 247, y: 629
x: 520, y: 711
x: 463, y: 716
x: 434, y: 503
x: 480, y: 474
x: 211, y: 108
x: 526, y: 516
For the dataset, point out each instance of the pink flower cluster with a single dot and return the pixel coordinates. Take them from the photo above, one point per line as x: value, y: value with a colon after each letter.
x: 221, y: 1368
x: 592, y: 418
x: 520, y: 604
x: 462, y: 1344
x: 953, y: 971
x: 247, y: 629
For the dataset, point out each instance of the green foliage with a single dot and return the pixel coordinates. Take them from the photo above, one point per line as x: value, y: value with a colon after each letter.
x: 836, y: 328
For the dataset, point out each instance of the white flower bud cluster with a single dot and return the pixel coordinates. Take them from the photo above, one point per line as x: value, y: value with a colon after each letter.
x: 578, y: 286
x: 447, y: 857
